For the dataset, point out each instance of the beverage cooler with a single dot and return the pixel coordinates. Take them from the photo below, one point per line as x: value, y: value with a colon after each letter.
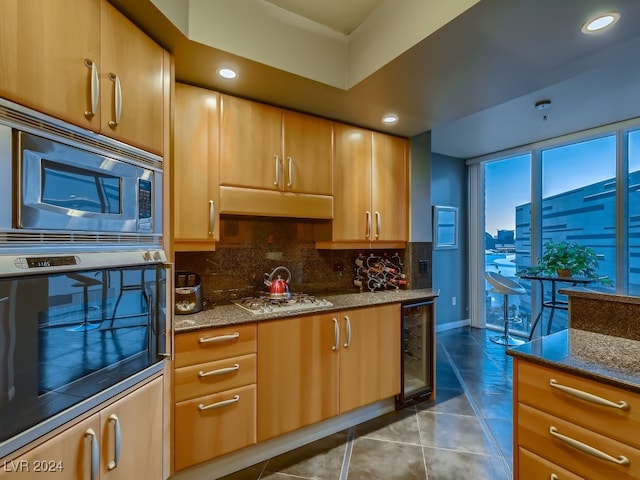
x: 418, y: 353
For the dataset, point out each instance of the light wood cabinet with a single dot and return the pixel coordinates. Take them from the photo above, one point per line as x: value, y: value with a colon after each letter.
x: 370, y: 355
x: 370, y: 190
x: 131, y: 82
x: 196, y: 197
x: 273, y: 161
x: 58, y: 57
x: 297, y: 373
x: 314, y: 367
x: 122, y: 441
x: 582, y: 426
x: 215, y: 393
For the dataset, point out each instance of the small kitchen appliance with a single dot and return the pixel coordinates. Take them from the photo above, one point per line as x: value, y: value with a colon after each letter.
x: 188, y: 293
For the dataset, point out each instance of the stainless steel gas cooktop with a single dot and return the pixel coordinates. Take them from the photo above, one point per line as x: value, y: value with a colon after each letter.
x: 291, y: 302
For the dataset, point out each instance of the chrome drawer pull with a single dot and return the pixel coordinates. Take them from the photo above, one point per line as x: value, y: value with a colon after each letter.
x: 220, y: 371
x: 221, y: 404
x: 583, y: 447
x: 336, y: 335
x: 588, y: 397
x: 221, y: 338
x: 554, y: 477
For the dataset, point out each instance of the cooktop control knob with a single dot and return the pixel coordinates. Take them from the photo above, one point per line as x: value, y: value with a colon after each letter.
x: 146, y: 255
x: 156, y: 256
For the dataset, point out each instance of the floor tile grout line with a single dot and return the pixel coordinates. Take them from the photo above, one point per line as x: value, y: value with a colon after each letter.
x: 483, y: 424
x: 344, y: 472
x: 424, y: 457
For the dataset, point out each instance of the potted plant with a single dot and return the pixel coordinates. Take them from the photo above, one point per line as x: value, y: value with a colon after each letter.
x: 566, y: 259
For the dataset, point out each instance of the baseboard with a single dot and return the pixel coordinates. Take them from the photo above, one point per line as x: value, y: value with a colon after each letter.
x: 451, y: 325
x: 249, y: 456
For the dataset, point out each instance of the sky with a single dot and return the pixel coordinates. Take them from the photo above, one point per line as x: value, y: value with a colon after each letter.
x: 508, y: 182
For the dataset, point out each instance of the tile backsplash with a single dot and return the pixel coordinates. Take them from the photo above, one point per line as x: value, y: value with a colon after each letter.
x: 251, y: 247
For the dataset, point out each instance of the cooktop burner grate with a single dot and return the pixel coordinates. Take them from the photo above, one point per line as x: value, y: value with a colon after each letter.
x: 292, y: 302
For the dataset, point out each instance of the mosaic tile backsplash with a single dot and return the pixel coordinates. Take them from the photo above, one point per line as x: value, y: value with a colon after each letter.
x: 249, y: 248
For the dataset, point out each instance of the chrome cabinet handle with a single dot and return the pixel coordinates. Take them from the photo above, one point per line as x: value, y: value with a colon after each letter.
x: 219, y: 371
x: 117, y: 99
x: 219, y: 339
x: 348, y: 342
x: 212, y: 217
x: 336, y: 335
x: 587, y: 397
x: 368, y: 230
x: 290, y: 182
x: 553, y: 476
x: 221, y: 404
x: 95, y: 88
x: 95, y: 453
x: 588, y: 449
x: 378, y: 224
x: 117, y: 446
x: 277, y: 180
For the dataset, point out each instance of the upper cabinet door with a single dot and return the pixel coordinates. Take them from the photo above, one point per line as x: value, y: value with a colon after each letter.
x: 308, y: 165
x: 389, y: 188
x: 47, y: 50
x: 352, y: 216
x: 250, y: 144
x: 195, y: 174
x: 131, y: 82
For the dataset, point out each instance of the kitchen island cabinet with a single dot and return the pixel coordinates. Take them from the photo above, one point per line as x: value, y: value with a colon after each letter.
x: 314, y: 367
x: 273, y: 161
x: 122, y: 441
x: 370, y: 191
x: 82, y: 61
x: 196, y: 197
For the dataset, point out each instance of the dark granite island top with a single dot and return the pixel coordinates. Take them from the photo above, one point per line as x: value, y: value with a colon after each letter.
x: 611, y: 360
x: 222, y: 315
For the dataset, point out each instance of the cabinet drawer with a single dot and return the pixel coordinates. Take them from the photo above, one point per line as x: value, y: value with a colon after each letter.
x: 535, y: 389
x: 534, y: 434
x: 211, y: 377
x: 533, y: 467
x: 228, y: 424
x: 215, y: 344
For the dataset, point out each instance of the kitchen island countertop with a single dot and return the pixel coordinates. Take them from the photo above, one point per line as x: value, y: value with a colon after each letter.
x: 222, y: 315
x: 605, y: 358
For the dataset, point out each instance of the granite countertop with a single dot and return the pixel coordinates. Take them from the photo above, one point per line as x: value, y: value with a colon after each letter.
x: 629, y: 295
x: 608, y: 359
x: 222, y: 315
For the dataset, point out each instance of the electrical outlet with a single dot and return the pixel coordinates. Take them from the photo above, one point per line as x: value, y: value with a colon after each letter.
x: 454, y: 301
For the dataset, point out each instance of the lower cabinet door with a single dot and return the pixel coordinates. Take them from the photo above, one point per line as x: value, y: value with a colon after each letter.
x: 74, y: 453
x: 210, y: 426
x: 533, y: 467
x: 582, y: 451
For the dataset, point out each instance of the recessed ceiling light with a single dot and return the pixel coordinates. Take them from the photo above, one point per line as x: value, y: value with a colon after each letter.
x: 542, y: 104
x: 600, y: 22
x: 390, y: 118
x: 227, y: 73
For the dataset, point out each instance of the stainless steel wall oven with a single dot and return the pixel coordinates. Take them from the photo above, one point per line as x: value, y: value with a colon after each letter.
x: 82, y: 272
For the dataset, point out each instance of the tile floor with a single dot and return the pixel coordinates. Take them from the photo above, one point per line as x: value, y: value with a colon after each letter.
x: 464, y: 434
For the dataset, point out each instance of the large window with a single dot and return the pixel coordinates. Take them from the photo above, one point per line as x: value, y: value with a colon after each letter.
x: 567, y: 191
x: 633, y: 258
x: 507, y: 221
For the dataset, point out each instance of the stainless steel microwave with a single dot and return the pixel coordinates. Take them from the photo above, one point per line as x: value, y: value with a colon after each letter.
x: 65, y: 187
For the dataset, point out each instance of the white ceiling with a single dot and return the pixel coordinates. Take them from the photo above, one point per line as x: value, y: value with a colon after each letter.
x: 471, y: 77
x: 343, y: 16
